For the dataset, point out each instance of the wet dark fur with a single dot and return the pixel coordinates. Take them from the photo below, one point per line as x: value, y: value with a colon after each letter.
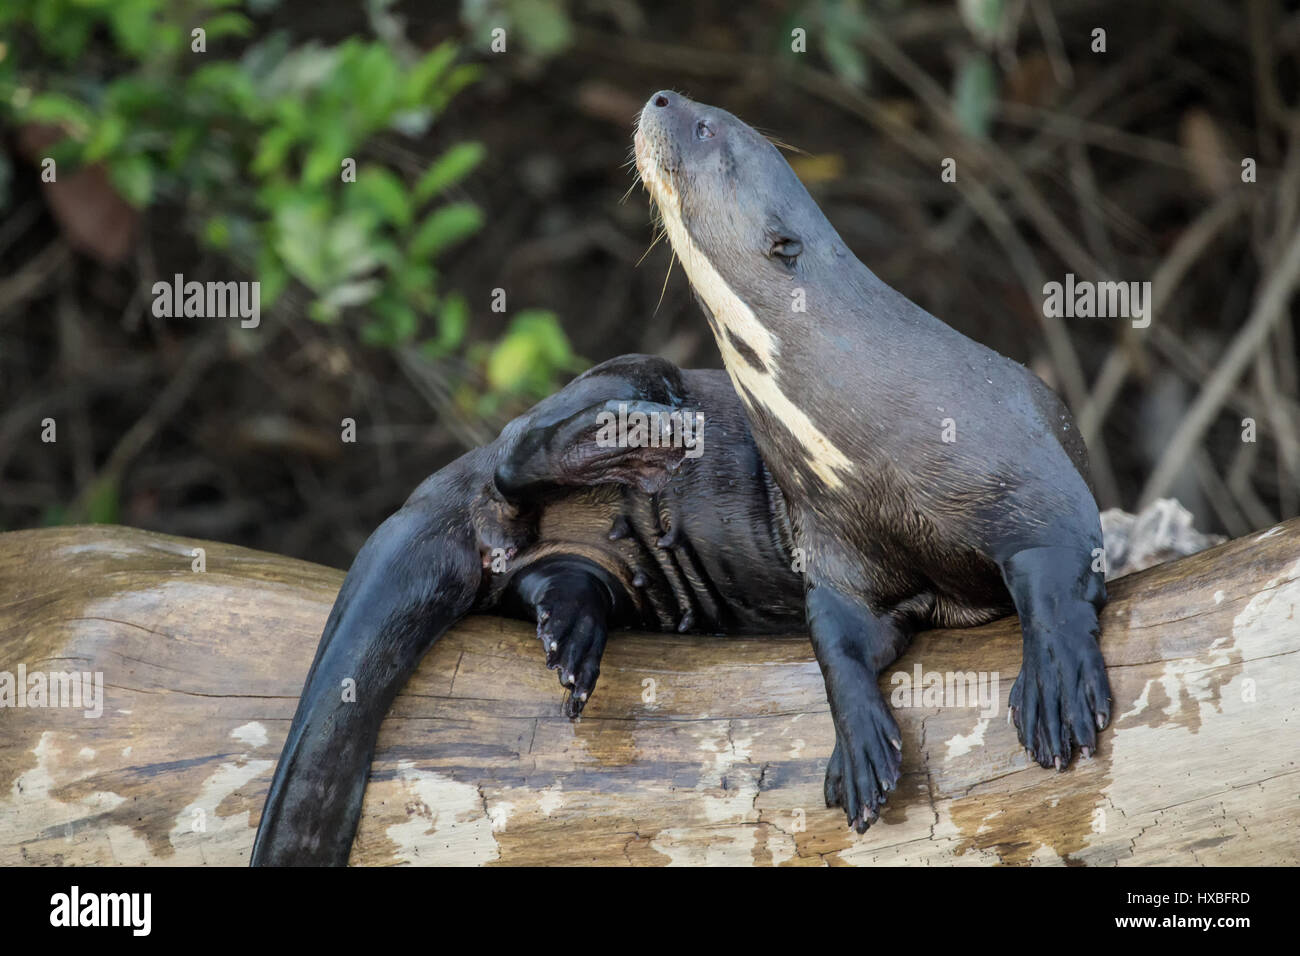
x: 594, y: 538
x: 921, y: 532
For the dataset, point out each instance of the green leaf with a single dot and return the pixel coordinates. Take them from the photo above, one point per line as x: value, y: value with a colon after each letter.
x: 133, y: 178
x: 106, y: 137
x: 453, y: 321
x: 444, y: 227
x: 450, y: 168
x: 544, y: 24
x: 378, y: 80
x: 415, y: 282
x: 132, y: 22
x: 102, y: 504
x: 227, y: 25
x: 63, y: 31
x: 975, y: 95
x: 843, y: 25
x: 846, y: 60
x: 186, y: 140
x: 532, y: 351
x: 300, y: 235
x: 983, y: 18
x: 216, y: 232
x: 351, y: 294
x: 380, y: 190
x: 350, y: 245
x: 59, y: 110
x: 323, y: 163
x: 510, y: 363
x: 272, y: 275
x: 396, y: 323
x: 459, y: 78
x: 273, y: 150
x: 422, y: 77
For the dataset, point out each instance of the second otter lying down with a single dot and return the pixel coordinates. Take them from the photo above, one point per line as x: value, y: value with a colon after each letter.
x: 551, y: 522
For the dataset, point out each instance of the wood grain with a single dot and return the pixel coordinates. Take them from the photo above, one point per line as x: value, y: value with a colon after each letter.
x: 693, y: 749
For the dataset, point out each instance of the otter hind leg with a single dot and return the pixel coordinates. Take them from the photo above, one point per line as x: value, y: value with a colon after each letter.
x: 573, y: 602
x: 853, y: 645
x: 1062, y: 696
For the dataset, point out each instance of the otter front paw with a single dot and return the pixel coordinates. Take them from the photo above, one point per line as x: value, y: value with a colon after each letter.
x: 865, y: 764
x: 573, y: 639
x: 1060, y: 700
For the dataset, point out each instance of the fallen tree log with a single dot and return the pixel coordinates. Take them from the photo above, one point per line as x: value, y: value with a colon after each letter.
x: 693, y: 749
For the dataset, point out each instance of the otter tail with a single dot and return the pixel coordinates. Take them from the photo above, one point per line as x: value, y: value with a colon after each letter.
x: 415, y: 577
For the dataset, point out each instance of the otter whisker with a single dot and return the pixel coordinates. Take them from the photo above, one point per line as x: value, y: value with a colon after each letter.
x: 664, y: 289
x: 780, y: 143
x: 653, y: 242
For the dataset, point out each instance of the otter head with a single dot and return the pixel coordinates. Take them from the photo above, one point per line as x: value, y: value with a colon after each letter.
x: 754, y: 245
x: 731, y: 205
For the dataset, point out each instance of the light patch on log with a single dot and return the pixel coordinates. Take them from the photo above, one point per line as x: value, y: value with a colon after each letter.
x: 921, y: 831
x: 728, y: 791
x: 251, y: 733
x: 961, y: 744
x: 32, y: 808
x: 550, y: 799
x: 216, y: 829
x: 447, y: 822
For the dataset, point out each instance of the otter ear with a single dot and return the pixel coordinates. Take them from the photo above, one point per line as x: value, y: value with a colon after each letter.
x: 785, y: 249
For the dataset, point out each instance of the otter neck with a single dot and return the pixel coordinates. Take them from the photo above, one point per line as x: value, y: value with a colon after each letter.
x: 752, y: 354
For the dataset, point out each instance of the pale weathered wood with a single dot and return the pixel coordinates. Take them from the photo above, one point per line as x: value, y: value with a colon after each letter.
x: 721, y: 764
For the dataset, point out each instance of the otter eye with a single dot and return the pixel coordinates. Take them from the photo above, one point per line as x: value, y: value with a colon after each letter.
x: 786, y: 249
x: 703, y: 130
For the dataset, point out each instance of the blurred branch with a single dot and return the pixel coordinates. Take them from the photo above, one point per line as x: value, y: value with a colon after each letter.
x: 1271, y: 305
x: 1191, y: 244
x: 201, y: 357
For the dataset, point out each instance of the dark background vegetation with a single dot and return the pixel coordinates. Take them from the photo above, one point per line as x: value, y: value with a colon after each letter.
x: 1123, y: 165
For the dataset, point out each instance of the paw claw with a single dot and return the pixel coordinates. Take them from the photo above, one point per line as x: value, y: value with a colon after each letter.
x: 1053, y: 703
x: 573, y: 640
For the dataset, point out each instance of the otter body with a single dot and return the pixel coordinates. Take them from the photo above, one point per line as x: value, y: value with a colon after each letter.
x: 930, y: 480
x: 549, y: 523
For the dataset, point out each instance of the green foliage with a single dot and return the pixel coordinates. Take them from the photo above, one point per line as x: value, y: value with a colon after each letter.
x: 834, y: 32
x: 983, y: 18
x: 843, y: 22
x: 103, y: 505
x: 975, y: 96
x: 253, y: 142
x: 531, y: 354
x: 543, y: 27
